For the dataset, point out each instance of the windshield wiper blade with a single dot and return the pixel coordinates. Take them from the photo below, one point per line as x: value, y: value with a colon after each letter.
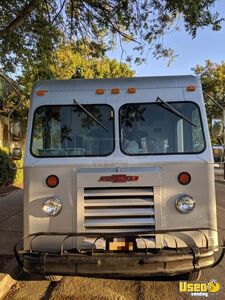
x: 174, y: 111
x: 89, y: 114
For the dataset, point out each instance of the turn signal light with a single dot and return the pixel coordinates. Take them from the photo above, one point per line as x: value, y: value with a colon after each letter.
x: 184, y: 178
x: 52, y: 181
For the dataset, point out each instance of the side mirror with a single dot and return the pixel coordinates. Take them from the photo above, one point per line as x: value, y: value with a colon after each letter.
x: 217, y: 127
x: 16, y: 153
x: 16, y: 131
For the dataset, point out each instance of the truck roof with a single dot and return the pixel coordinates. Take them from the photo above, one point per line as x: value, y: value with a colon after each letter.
x: 122, y: 83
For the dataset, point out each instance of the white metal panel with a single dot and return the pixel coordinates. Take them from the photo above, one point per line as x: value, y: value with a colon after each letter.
x: 90, y: 177
x: 122, y: 83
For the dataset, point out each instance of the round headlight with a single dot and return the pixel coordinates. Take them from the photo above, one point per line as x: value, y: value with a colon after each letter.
x: 185, y: 203
x: 52, y: 206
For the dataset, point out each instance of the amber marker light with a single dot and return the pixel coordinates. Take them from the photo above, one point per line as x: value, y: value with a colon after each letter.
x: 191, y: 88
x: 41, y: 93
x: 115, y: 91
x: 131, y: 90
x: 100, y: 91
x: 184, y: 178
x: 52, y: 181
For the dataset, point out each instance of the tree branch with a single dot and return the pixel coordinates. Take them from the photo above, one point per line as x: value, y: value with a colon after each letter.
x: 112, y: 25
x: 21, y: 18
x: 59, y: 12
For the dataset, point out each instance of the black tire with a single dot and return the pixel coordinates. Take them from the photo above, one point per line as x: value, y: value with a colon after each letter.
x: 53, y: 278
x: 192, y: 276
x: 195, y: 276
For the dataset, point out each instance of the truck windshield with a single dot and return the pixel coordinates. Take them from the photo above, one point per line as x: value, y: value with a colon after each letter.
x: 67, y: 130
x: 149, y: 128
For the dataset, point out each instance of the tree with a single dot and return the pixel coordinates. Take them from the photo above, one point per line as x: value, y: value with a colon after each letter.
x: 32, y: 26
x: 70, y: 60
x: 213, y: 83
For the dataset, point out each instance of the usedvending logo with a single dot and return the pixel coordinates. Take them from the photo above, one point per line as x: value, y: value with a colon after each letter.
x: 203, y: 289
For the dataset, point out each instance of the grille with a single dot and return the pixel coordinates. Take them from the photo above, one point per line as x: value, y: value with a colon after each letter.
x: 129, y: 209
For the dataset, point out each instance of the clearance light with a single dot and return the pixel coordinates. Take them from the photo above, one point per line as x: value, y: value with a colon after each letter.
x: 52, y: 206
x: 191, y: 88
x: 131, y: 90
x: 41, y: 93
x: 185, y: 203
x: 52, y: 181
x: 115, y: 91
x: 184, y: 178
x: 100, y: 91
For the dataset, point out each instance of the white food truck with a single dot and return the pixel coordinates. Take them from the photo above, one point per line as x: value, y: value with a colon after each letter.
x: 119, y: 179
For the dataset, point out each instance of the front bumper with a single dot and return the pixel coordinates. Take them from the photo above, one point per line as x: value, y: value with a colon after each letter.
x: 150, y: 262
x: 116, y: 265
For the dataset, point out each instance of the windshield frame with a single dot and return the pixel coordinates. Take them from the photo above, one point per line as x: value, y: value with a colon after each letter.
x: 161, y: 153
x: 71, y: 156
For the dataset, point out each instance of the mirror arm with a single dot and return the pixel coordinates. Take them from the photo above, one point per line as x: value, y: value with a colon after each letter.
x: 9, y: 116
x: 211, y: 98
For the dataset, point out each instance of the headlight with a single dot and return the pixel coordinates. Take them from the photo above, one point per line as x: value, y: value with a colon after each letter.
x: 52, y: 206
x: 185, y: 203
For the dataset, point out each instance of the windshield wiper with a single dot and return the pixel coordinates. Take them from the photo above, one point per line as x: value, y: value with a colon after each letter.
x: 174, y: 111
x: 89, y: 114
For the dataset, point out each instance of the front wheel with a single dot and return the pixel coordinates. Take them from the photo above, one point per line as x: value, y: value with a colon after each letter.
x: 54, y: 278
x: 192, y: 276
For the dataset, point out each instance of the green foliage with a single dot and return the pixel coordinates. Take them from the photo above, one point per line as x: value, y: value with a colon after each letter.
x: 19, y: 172
x: 18, y: 164
x: 7, y: 168
x: 213, y: 83
x: 212, y: 76
x: 73, y: 60
x: 33, y: 26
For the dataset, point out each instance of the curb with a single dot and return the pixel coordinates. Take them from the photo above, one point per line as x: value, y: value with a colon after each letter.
x: 9, y: 192
x: 9, y: 279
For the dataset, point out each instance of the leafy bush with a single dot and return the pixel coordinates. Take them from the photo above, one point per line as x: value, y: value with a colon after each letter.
x: 18, y: 179
x: 7, y: 168
x: 19, y: 172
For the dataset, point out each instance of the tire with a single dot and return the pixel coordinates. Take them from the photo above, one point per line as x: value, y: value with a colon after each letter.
x: 192, y: 276
x: 53, y: 278
x: 195, y: 276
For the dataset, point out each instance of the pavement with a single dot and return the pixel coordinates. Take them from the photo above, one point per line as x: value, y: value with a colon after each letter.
x: 219, y: 175
x: 11, y: 229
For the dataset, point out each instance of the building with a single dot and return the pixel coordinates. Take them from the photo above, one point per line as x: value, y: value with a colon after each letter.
x: 8, y: 88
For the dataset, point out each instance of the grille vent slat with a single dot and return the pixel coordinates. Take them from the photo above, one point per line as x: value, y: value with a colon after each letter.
x: 119, y: 201
x: 118, y: 212
x: 98, y: 192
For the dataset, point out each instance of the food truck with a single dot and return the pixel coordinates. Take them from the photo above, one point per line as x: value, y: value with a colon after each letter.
x: 119, y: 179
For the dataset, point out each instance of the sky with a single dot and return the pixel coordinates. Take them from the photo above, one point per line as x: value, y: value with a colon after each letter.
x: 191, y: 52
